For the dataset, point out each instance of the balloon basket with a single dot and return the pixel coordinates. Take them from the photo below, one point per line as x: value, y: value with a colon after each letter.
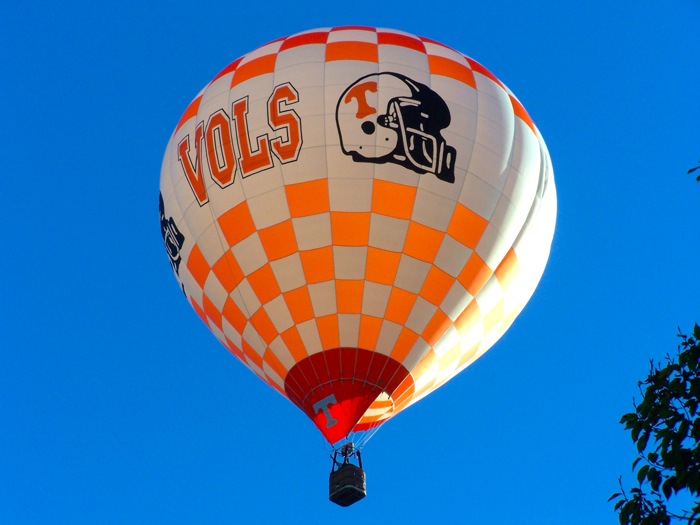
x: 347, y: 485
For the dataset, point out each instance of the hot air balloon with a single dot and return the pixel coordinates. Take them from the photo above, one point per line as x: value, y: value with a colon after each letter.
x: 357, y: 214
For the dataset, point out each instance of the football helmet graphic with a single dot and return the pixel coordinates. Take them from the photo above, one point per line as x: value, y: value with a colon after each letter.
x: 387, y: 117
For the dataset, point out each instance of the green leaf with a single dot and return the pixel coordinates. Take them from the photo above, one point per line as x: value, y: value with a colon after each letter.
x: 641, y: 474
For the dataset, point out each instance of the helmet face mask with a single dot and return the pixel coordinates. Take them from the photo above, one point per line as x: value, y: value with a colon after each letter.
x: 407, y: 133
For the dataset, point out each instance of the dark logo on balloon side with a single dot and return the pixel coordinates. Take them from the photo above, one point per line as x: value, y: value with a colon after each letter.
x: 405, y: 127
x: 172, y: 238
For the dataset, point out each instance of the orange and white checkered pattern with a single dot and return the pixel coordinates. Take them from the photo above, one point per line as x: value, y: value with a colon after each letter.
x: 325, y: 253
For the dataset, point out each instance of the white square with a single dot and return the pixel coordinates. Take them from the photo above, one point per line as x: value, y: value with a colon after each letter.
x: 313, y: 231
x: 349, y: 262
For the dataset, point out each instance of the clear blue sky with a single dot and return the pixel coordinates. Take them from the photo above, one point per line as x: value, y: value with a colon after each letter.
x: 118, y: 406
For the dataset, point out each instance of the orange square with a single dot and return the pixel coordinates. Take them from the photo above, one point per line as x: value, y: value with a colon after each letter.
x: 436, y: 327
x: 394, y: 200
x: 449, y: 68
x: 520, y: 112
x: 271, y: 359
x: 308, y: 198
x: 399, y: 306
x: 407, y: 338
x: 382, y: 265
x: 279, y: 240
x: 468, y: 318
x: 235, y: 350
x: 466, y: 226
x: 199, y: 310
x: 299, y: 304
x: 212, y: 311
x: 508, y: 269
x: 264, y: 283
x: 237, y: 224
x: 398, y: 39
x: 190, y: 112
x: 350, y: 228
x: 422, y: 242
x: 406, y: 388
x: 437, y: 284
x: 228, y: 271
x: 350, y: 50
x: 475, y: 274
x: 258, y: 66
x: 264, y: 326
x: 424, y: 365
x: 317, y: 264
x: 328, y: 330
x: 369, y: 332
x: 349, y: 296
x: 234, y: 315
x: 198, y: 266
x: 251, y: 354
x: 305, y: 40
x: 294, y: 343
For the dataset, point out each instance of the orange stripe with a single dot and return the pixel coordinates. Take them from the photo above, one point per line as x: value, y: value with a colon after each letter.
x: 449, y: 68
x: 256, y: 67
x: 396, y: 39
x: 354, y: 28
x: 198, y: 266
x: 304, y: 40
x: 352, y: 51
x: 190, y: 112
x: 520, y: 112
x: 481, y: 69
x: 228, y: 69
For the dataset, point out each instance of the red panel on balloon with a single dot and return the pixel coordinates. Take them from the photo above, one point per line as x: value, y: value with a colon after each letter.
x: 345, y: 382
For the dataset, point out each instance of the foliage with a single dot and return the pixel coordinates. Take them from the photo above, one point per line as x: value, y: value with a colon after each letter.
x: 666, y: 429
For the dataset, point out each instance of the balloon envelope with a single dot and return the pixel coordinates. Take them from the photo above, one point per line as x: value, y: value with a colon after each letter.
x: 357, y: 214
